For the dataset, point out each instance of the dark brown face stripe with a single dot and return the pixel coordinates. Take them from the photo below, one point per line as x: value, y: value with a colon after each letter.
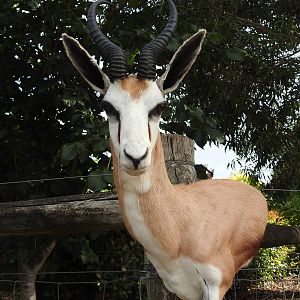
x: 149, y: 132
x: 119, y: 131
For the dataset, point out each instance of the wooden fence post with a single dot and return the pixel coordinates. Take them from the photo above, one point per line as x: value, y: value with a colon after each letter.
x: 179, y: 159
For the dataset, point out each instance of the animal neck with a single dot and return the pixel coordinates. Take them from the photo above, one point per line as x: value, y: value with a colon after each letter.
x: 146, y: 202
x: 155, y: 179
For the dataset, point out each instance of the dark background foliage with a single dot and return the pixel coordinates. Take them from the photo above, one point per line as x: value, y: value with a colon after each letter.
x: 243, y: 92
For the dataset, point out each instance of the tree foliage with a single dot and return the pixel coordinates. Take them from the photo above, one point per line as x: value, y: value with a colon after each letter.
x: 242, y: 91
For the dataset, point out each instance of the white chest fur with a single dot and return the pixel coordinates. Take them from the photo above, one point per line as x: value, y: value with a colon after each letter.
x: 137, y: 223
x: 188, y: 279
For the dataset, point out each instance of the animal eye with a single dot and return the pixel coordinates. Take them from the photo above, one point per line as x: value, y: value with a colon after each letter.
x: 157, y: 110
x: 110, y: 110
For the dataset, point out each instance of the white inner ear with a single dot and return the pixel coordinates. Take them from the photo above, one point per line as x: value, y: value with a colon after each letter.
x: 104, y: 76
x: 160, y: 80
x: 92, y: 61
x: 105, y: 80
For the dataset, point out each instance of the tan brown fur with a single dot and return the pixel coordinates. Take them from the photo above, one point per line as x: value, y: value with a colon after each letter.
x: 135, y: 87
x: 116, y: 173
x: 220, y: 222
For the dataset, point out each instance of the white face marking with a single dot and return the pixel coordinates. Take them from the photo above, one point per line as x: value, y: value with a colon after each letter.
x: 138, y: 225
x: 136, y: 184
x: 134, y: 131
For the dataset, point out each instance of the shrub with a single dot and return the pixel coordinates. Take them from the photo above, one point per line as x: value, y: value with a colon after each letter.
x: 276, y: 262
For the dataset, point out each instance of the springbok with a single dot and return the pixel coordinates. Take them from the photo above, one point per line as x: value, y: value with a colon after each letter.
x: 198, y: 235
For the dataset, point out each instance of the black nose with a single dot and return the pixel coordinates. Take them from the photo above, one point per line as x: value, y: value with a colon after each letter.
x: 136, y: 161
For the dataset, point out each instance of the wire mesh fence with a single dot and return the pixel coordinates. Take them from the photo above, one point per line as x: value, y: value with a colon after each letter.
x: 248, y: 284
x: 115, y: 285
x: 86, y: 285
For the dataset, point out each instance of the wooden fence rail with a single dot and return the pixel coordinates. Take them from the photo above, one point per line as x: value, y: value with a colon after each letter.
x: 61, y: 215
x: 100, y: 212
x: 97, y: 212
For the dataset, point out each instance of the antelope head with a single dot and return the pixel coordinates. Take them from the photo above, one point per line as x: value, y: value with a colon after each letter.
x: 133, y: 103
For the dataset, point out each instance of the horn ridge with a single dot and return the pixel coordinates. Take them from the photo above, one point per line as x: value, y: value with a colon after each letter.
x: 146, y: 68
x: 111, y: 52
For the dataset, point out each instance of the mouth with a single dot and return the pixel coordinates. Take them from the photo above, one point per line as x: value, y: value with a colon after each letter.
x: 135, y: 172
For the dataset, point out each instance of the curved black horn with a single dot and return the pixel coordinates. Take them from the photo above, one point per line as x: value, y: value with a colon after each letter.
x: 113, y: 53
x: 147, y: 59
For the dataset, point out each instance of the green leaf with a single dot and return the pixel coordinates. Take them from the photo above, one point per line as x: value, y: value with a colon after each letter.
x: 82, y: 151
x: 200, y: 138
x: 98, y: 146
x: 195, y: 112
x: 75, y: 118
x: 108, y: 177
x: 95, y: 182
x: 211, y: 122
x: 69, y: 152
x: 88, y: 256
x: 132, y: 57
x: 173, y: 45
x: 216, y: 38
x: 235, y: 54
x: 70, y: 101
x: 133, y: 3
x: 215, y: 135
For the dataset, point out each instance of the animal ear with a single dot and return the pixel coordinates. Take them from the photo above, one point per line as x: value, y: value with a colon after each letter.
x: 181, y: 62
x: 85, y: 64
